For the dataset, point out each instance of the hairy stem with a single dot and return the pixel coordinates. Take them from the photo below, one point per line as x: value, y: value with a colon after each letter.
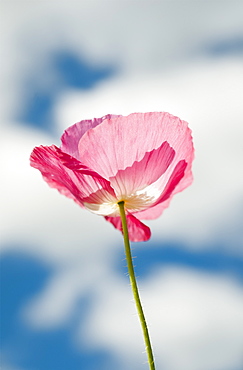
x: 135, y: 288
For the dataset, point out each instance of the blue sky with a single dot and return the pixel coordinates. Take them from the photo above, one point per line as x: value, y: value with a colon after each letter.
x: 65, y: 297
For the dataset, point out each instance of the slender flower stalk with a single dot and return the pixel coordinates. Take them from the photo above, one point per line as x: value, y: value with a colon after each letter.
x: 134, y: 286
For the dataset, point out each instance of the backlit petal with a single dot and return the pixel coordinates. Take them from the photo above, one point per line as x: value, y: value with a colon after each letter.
x: 174, y: 180
x: 73, y: 134
x: 143, y: 173
x: 68, y: 175
x: 118, y: 142
x: 138, y: 232
x: 173, y: 186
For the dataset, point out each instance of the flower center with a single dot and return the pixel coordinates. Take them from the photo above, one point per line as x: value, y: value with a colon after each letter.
x: 133, y: 203
x: 137, y: 202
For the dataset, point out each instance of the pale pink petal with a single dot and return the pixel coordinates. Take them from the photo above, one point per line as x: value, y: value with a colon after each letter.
x: 138, y: 232
x: 68, y: 175
x: 73, y: 134
x: 144, y: 172
x: 118, y: 142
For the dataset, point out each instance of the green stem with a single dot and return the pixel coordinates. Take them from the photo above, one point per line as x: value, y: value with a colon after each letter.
x: 135, y: 288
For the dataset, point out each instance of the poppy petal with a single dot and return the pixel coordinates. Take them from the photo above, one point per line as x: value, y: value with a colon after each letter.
x: 173, y: 186
x: 68, y: 175
x: 138, y: 231
x: 118, y: 142
x: 73, y: 134
x: 144, y: 172
x: 174, y: 180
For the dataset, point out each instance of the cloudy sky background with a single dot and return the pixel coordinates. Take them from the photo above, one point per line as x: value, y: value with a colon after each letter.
x: 65, y: 297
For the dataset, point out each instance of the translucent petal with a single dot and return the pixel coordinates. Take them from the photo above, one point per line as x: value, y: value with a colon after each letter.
x: 73, y: 134
x: 68, y: 175
x: 143, y: 173
x: 138, y: 232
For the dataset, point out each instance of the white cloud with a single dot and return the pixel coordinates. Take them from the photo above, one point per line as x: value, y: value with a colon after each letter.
x: 143, y: 35
x: 130, y: 35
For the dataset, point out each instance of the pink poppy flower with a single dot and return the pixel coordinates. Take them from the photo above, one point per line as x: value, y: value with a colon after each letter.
x: 141, y: 159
